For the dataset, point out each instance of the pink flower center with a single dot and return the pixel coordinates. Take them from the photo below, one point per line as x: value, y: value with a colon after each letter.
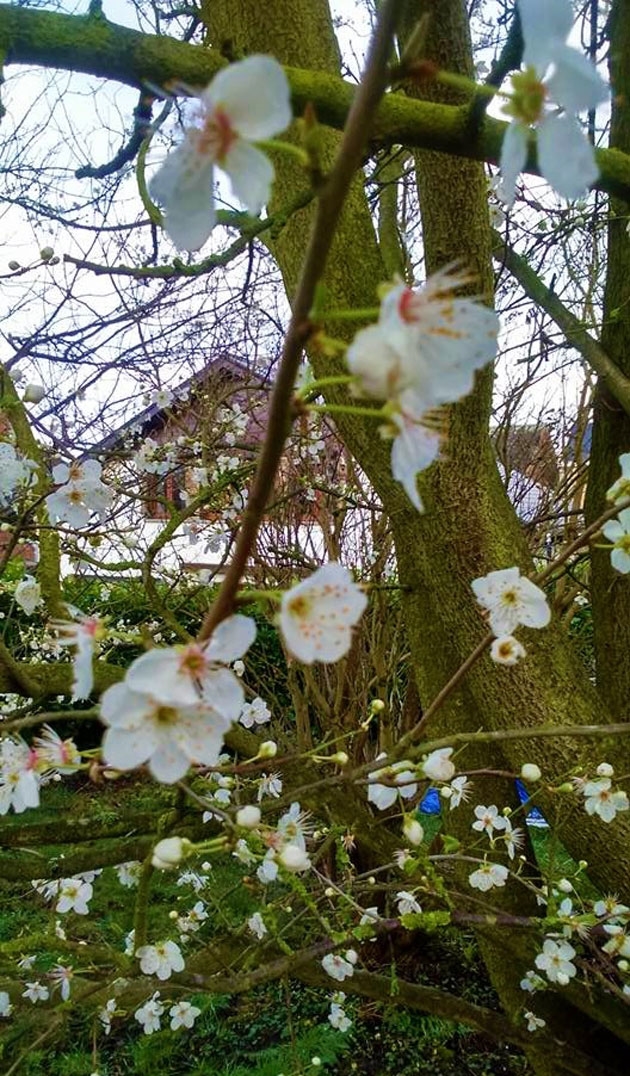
x: 217, y: 136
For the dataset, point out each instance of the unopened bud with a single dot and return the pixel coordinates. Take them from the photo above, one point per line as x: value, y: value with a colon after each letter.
x: 377, y: 706
x: 248, y: 817
x: 46, y: 253
x: 530, y: 772
x: 605, y: 770
x: 268, y: 749
x: 33, y: 393
x: 14, y: 265
x: 169, y: 852
x: 565, y: 886
x: 340, y: 758
x: 413, y: 831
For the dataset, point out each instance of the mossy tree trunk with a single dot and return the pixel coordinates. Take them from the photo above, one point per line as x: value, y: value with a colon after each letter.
x: 610, y: 592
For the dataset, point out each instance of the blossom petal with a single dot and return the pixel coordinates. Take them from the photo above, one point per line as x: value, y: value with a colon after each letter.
x: 169, y: 763
x: 122, y: 707
x: 576, y: 84
x: 413, y: 450
x: 231, y: 639
x: 546, y: 24
x: 566, y: 157
x: 225, y: 693
x: 255, y: 95
x: 124, y: 749
x: 513, y: 160
x: 251, y: 174
x: 183, y: 186
x: 620, y: 561
x: 159, y: 674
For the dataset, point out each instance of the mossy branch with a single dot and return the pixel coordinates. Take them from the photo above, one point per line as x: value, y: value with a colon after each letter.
x: 107, y: 50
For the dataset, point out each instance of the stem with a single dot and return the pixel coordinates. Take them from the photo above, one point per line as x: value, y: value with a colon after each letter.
x: 348, y: 160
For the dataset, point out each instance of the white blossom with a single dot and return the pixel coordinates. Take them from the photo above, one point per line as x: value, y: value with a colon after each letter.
x: 150, y: 1014
x: 257, y: 926
x: 511, y: 599
x: 617, y: 531
x: 169, y: 852
x: 255, y: 712
x: 533, y: 1022
x: 407, y: 903
x: 488, y: 876
x: 556, y: 961
x: 36, y: 992
x: 270, y: 784
x: 438, y: 766
x: 14, y: 472
x: 565, y: 156
x: 488, y: 819
x: 427, y: 343
x: 337, y: 1017
x: 530, y: 772
x: 106, y: 1013
x: 318, y: 614
x: 337, y: 966
x: 602, y: 800
x: 6, y: 1007
x: 461, y: 789
x: 248, y: 817
x: 129, y: 873
x: 403, y: 784
x: 62, y: 977
x: 246, y: 102
x: 74, y: 895
x: 83, y: 635
x: 183, y: 1014
x: 28, y: 594
x: 54, y: 754
x: 19, y: 783
x: 161, y: 959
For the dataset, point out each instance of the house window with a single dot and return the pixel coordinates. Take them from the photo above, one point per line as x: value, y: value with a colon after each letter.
x: 160, y: 492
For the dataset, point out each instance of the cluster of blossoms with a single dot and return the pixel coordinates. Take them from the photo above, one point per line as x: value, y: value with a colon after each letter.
x: 246, y: 102
x: 422, y: 353
x: 337, y: 1017
x: 80, y: 494
x: 617, y: 530
x: 149, y: 1015
x: 600, y: 797
x: 510, y: 599
x: 176, y: 704
x: 554, y: 73
x: 24, y: 768
x: 402, y: 780
x: 154, y: 458
x: 16, y: 473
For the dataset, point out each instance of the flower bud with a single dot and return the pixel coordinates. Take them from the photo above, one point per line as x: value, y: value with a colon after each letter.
x: 248, y: 817
x: 413, y: 831
x: 565, y: 886
x: 33, y: 393
x: 46, y: 253
x: 351, y: 956
x: 605, y: 770
x: 13, y: 265
x: 530, y: 772
x: 268, y: 749
x: 169, y: 852
x: 377, y: 706
x: 340, y: 757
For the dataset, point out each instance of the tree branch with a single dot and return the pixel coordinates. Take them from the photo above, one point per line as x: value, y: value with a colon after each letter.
x: 104, y: 49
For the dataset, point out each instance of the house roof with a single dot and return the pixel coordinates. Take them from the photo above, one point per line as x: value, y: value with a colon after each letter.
x: 153, y: 416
